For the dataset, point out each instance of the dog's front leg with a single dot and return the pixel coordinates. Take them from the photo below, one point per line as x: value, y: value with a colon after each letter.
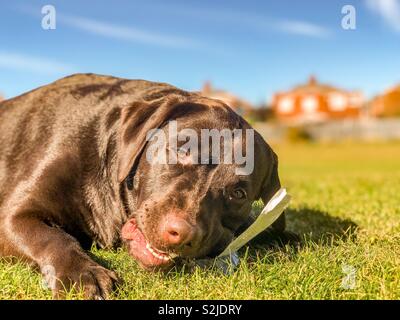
x: 59, y: 255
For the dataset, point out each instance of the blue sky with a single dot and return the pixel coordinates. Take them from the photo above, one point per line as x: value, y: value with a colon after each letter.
x: 252, y: 48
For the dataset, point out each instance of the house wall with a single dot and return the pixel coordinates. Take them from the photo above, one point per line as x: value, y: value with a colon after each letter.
x: 387, y: 105
x: 316, y: 106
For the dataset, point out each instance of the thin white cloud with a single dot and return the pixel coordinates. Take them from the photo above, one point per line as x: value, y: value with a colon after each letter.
x: 251, y: 21
x: 389, y: 10
x: 302, y: 28
x: 119, y: 32
x: 23, y: 62
x: 292, y: 27
x: 130, y: 34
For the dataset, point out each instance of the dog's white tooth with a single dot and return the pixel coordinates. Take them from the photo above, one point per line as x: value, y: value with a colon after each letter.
x: 148, y: 247
x: 155, y: 254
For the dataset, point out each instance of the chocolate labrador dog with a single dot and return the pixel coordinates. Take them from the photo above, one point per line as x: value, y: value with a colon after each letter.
x: 73, y: 171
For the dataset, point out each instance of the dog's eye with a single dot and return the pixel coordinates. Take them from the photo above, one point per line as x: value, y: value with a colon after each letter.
x: 182, y: 152
x: 238, y: 194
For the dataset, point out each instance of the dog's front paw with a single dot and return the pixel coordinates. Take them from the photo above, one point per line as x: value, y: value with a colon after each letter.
x: 89, y: 278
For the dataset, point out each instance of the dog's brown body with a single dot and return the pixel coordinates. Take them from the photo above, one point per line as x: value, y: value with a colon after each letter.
x: 69, y: 152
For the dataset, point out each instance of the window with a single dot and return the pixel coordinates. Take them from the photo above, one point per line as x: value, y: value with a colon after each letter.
x: 286, y: 105
x: 356, y: 100
x: 337, y: 102
x: 309, y: 104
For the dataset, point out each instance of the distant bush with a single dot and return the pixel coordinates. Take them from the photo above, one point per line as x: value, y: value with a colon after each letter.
x: 298, y: 134
x: 259, y: 114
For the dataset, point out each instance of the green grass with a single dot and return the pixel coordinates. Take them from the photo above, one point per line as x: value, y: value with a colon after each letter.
x: 346, y: 206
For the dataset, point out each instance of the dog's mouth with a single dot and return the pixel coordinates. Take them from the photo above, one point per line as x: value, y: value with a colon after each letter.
x: 140, y: 248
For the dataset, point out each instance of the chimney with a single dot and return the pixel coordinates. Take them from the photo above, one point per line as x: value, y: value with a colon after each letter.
x: 207, y: 88
x: 312, y: 80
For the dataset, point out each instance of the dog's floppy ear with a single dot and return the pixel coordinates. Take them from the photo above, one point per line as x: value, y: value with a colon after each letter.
x: 267, y: 169
x: 271, y: 186
x: 271, y: 183
x: 136, y: 120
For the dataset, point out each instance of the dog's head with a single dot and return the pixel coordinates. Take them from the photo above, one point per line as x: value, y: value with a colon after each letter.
x: 186, y: 200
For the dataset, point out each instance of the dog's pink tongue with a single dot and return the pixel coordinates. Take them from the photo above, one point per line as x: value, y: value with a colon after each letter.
x: 138, y: 249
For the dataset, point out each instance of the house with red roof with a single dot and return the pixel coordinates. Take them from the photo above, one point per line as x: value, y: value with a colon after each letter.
x: 317, y: 102
x: 387, y: 104
x: 239, y: 105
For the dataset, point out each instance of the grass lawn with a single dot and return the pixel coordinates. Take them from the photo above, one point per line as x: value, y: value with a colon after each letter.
x: 346, y: 206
